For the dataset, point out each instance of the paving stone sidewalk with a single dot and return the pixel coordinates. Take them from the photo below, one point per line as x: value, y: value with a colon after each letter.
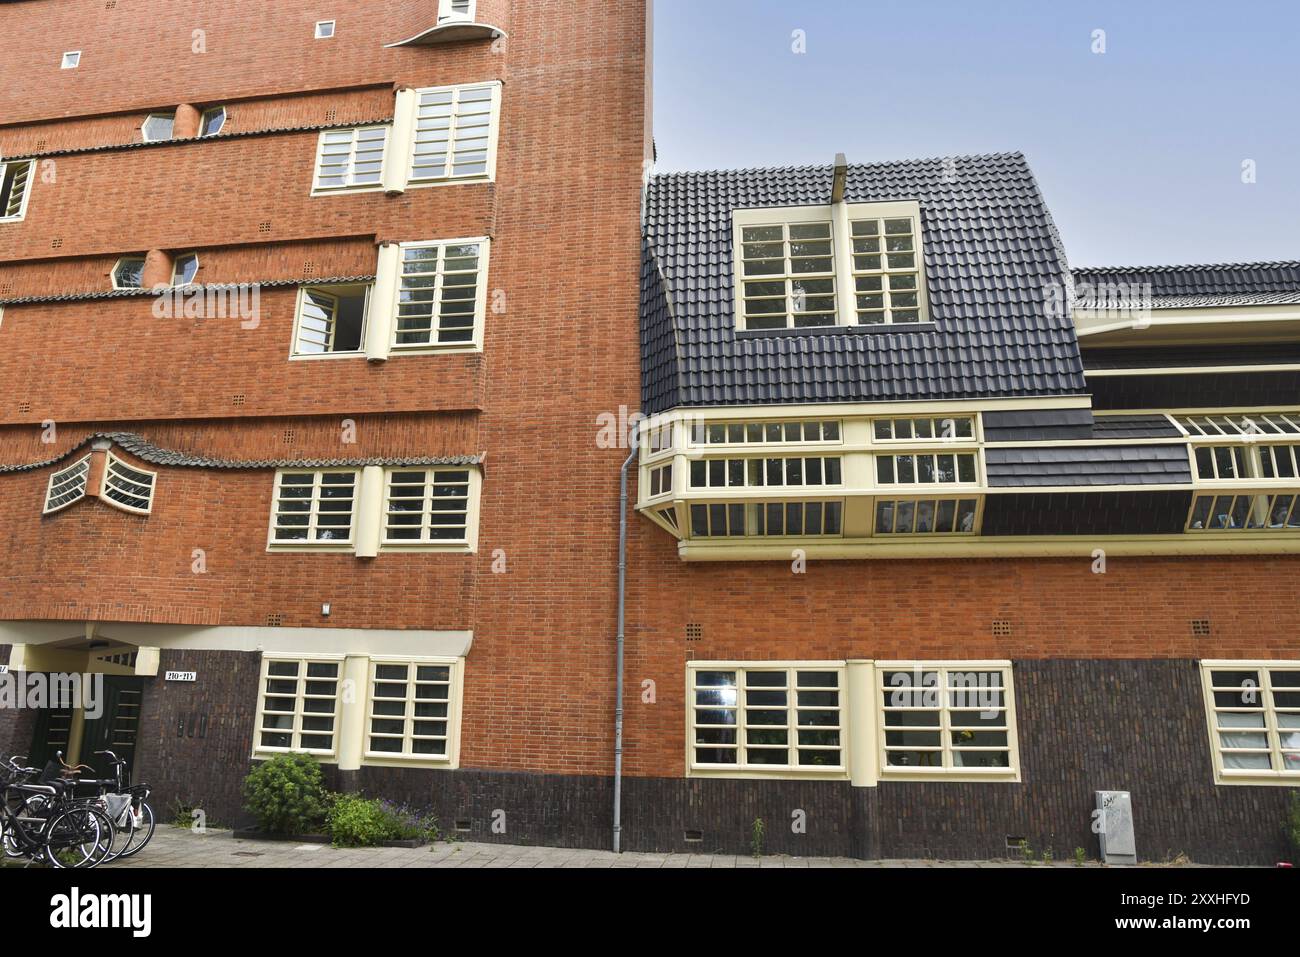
x: 177, y: 847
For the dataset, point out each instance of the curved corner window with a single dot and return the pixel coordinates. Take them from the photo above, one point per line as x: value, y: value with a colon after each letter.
x: 127, y: 488
x: 213, y: 121
x: 129, y: 273
x: 67, y: 486
x: 185, y: 269
x: 158, y: 127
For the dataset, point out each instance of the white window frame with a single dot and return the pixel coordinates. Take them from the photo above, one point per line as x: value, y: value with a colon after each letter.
x: 176, y: 263
x: 916, y: 454
x: 351, y: 186
x: 749, y: 509
x: 1276, y: 775
x: 203, y: 121
x: 328, y: 290
x: 936, y: 426
x: 764, y: 464
x: 300, y: 696
x: 113, y: 479
x: 321, y: 26
x: 310, y: 544
x: 171, y: 133
x: 473, y: 495
x: 71, y: 60
x: 699, y: 433
x: 446, y: 13
x: 81, y: 483
x: 494, y: 129
x: 475, y: 342
x: 26, y: 191
x: 844, y: 273
x: 118, y: 265
x: 947, y: 771
x: 407, y: 757
x: 742, y: 768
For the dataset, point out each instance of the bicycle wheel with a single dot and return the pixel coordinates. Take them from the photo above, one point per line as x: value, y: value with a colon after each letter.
x: 78, y: 837
x: 123, y: 831
x: 11, y: 842
x: 143, y: 833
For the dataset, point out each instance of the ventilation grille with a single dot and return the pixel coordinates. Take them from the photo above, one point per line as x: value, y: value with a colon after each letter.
x: 288, y: 436
x: 1001, y: 628
x: 237, y: 399
x: 263, y: 227
x: 331, y: 116
x: 694, y: 631
x: 6, y: 288
x: 693, y: 837
x: 464, y: 826
x: 1201, y: 627
x: 274, y: 621
x: 56, y: 243
x: 24, y: 406
x: 309, y: 268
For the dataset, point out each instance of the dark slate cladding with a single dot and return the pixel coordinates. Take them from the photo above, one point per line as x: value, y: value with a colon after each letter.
x: 1229, y: 280
x: 1215, y: 390
x: 1071, y: 465
x: 992, y: 256
x: 1154, y: 357
x: 1031, y: 425
x: 1086, y: 513
x: 1134, y: 427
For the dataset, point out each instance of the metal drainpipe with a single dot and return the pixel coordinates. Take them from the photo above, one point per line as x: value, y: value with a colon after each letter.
x: 622, y: 596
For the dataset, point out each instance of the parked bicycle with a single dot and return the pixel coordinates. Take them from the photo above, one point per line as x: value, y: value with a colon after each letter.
x: 42, y: 820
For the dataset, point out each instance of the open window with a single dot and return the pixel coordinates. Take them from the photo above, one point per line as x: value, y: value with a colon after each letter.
x: 331, y: 321
x: 67, y: 486
x: 127, y: 488
x: 184, y: 269
x: 15, y: 184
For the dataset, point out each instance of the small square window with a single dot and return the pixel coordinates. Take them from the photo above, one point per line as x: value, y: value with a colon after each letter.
x: 71, y: 60
x: 324, y: 29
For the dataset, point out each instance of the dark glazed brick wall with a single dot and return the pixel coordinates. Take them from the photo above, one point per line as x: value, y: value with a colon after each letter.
x: 16, y: 726
x: 1087, y: 513
x: 1215, y: 390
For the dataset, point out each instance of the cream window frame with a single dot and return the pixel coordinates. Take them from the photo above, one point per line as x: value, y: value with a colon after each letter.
x: 333, y: 292
x: 115, y: 480
x: 762, y: 464
x: 350, y: 185
x: 309, y: 544
x: 916, y: 453
x: 936, y: 424
x: 300, y: 697
x: 699, y: 434
x: 467, y: 545
x: 448, y: 177
x: 742, y: 769
x: 1260, y: 506
x: 393, y: 313
x: 19, y: 206
x: 407, y: 757
x: 75, y: 477
x: 909, y: 494
x: 1286, y: 422
x: 1277, y: 774
x: 749, y: 508
x: 947, y: 771
x: 880, y: 213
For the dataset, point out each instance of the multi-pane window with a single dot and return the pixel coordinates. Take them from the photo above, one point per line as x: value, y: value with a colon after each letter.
x: 944, y: 428
x: 313, y: 507
x: 129, y: 273
x: 926, y: 468
x: 15, y: 183
x: 1242, y: 423
x: 1232, y: 462
x: 429, y: 506
x: 298, y: 707
x: 886, y: 270
x: 945, y: 719
x: 661, y: 480
x: 1249, y: 511
x: 331, y: 320
x: 669, y: 516
x: 1254, y: 715
x: 767, y: 718
x: 798, y: 518
x: 454, y: 133
x: 67, y: 485
x: 347, y: 159
x: 759, y: 473
x: 441, y: 294
x: 787, y: 276
x: 659, y: 438
x: 717, y: 520
x: 128, y: 488
x: 920, y: 516
x: 410, y: 709
x: 754, y: 433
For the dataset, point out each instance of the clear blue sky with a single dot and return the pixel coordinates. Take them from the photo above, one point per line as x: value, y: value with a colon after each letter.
x: 1138, y: 150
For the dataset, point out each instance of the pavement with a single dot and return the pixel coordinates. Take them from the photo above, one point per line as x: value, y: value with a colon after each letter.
x: 178, y: 847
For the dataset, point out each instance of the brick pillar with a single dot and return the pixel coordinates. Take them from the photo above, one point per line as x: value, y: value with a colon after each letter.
x: 157, y: 269
x: 187, y: 122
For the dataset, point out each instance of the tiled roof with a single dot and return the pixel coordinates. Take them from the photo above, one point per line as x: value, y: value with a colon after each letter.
x: 137, y: 293
x: 1082, y: 465
x: 146, y: 451
x: 1134, y: 427
x: 992, y: 258
x: 1182, y: 287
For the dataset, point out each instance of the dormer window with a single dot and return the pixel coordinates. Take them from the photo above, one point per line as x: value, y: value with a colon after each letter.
x: 804, y: 267
x: 453, y: 10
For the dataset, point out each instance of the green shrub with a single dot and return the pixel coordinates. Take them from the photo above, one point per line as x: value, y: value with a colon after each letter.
x: 354, y: 821
x: 286, y: 794
x: 1293, y: 821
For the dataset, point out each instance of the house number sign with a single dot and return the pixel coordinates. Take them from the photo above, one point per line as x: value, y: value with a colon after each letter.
x: 181, y: 676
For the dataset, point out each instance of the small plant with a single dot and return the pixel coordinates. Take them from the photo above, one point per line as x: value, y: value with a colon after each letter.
x: 286, y: 794
x: 183, y: 813
x: 756, y: 832
x: 1027, y: 852
x: 407, y: 823
x: 1047, y: 856
x: 1080, y: 856
x: 1293, y: 822
x: 354, y: 821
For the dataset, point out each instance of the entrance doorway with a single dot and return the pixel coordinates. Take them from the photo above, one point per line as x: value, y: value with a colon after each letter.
x: 70, y: 730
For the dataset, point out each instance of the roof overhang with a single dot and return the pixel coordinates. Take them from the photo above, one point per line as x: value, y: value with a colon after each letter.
x: 452, y: 32
x: 1139, y: 326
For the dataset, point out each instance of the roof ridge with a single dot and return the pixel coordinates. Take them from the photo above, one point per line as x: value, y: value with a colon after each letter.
x: 1264, y: 264
x: 807, y: 168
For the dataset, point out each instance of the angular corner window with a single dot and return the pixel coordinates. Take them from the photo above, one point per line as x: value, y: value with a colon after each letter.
x: 15, y: 185
x: 67, y: 486
x: 298, y: 707
x: 350, y: 158
x: 185, y: 269
x: 458, y: 10
x: 431, y: 506
x: 158, y: 127
x: 1253, y: 710
x: 455, y: 133
x: 127, y: 488
x: 71, y: 60
x: 313, y: 507
x: 129, y: 273
x: 324, y: 29
x: 212, y: 121
x: 1246, y: 511
x: 441, y: 294
x: 331, y: 320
